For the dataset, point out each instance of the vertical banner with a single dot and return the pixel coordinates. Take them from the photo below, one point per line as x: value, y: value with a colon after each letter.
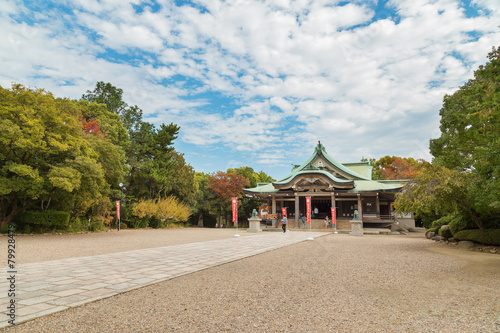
x: 308, y: 209
x: 234, y: 202
x: 283, y: 211
x: 118, y: 210
x: 334, y: 216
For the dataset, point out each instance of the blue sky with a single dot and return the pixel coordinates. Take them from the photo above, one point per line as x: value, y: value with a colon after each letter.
x: 259, y: 83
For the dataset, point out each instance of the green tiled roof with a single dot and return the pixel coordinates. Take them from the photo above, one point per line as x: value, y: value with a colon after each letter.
x: 358, y: 182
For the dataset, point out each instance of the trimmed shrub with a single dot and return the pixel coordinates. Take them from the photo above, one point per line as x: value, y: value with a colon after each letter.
x: 460, y: 222
x: 445, y: 220
x: 431, y: 229
x: 445, y: 232
x: 488, y: 237
x: 50, y: 219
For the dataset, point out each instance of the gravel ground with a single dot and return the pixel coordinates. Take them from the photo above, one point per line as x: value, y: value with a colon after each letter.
x: 336, y: 283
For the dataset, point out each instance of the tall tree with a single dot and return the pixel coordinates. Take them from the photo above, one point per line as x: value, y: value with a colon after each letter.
x: 468, y: 150
x: 106, y: 93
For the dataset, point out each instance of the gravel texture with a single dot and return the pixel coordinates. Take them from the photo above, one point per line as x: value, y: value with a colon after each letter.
x: 336, y: 283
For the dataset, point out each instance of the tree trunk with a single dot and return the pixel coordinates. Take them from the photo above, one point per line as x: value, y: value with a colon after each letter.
x: 200, y: 220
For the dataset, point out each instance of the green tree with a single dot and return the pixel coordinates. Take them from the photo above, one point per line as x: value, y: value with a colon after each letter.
x: 44, y: 151
x: 466, y: 175
x: 106, y: 93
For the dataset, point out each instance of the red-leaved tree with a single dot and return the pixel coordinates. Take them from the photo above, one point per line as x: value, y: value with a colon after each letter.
x: 225, y: 186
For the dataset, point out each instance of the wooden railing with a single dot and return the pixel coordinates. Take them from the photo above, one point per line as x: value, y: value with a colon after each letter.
x: 372, y: 218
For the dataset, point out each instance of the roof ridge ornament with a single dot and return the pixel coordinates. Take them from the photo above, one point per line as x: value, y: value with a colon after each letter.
x: 320, y: 148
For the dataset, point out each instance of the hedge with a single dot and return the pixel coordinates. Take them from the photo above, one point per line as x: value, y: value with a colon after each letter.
x: 459, y: 223
x: 445, y: 220
x: 488, y: 237
x: 431, y: 229
x: 46, y: 219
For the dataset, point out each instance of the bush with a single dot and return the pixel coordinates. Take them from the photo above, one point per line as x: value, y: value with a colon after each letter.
x: 50, y: 219
x: 79, y: 224
x: 4, y: 229
x: 431, y: 229
x: 445, y: 220
x: 460, y: 222
x: 488, y: 237
x: 445, y: 232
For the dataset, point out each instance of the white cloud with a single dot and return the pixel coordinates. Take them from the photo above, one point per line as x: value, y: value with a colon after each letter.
x: 287, y: 73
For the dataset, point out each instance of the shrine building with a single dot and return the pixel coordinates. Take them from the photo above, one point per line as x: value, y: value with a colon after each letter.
x: 345, y: 186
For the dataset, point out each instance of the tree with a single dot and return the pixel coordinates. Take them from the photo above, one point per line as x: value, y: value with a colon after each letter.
x: 106, y: 93
x: 438, y: 191
x: 247, y: 205
x: 44, y: 151
x: 466, y: 172
x: 149, y: 153
x: 393, y: 167
x: 225, y: 186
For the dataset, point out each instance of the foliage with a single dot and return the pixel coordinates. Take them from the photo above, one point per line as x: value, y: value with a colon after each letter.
x: 470, y: 139
x: 45, y: 152
x: 43, y: 221
x: 171, y: 209
x: 393, y: 167
x: 246, y: 205
x: 50, y: 218
x: 182, y: 185
x: 444, y: 231
x: 165, y: 210
x: 445, y: 220
x: 486, y: 237
x: 431, y: 230
x: 224, y: 187
x: 460, y: 222
x: 106, y: 93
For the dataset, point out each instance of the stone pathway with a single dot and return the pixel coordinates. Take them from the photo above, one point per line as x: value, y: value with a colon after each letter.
x: 47, y: 287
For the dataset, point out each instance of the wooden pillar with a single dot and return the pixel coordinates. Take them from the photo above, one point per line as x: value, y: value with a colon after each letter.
x: 360, y: 207
x: 333, y: 203
x: 273, y: 205
x: 377, y: 205
x: 297, y: 211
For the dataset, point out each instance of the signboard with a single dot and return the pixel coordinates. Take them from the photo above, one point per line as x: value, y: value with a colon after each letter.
x: 234, y: 202
x: 283, y: 211
x: 334, y: 217
x: 118, y: 210
x: 308, y: 209
x: 272, y: 216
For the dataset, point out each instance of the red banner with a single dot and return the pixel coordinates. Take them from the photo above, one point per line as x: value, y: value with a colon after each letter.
x: 334, y: 217
x: 283, y: 211
x: 118, y: 210
x: 235, y: 209
x: 308, y: 208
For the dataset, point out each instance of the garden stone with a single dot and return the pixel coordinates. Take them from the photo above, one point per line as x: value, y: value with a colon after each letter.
x: 465, y: 245
x: 430, y: 234
x: 438, y: 238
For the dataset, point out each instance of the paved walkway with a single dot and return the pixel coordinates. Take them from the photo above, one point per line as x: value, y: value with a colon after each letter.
x: 47, y: 287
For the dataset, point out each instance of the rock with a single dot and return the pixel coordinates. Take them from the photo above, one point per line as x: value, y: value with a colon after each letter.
x: 452, y: 240
x: 493, y: 251
x: 438, y: 238
x: 430, y: 234
x: 468, y: 245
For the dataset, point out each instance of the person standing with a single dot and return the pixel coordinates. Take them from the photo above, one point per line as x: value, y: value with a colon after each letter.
x: 327, y: 222
x: 283, y: 225
x: 303, y: 222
